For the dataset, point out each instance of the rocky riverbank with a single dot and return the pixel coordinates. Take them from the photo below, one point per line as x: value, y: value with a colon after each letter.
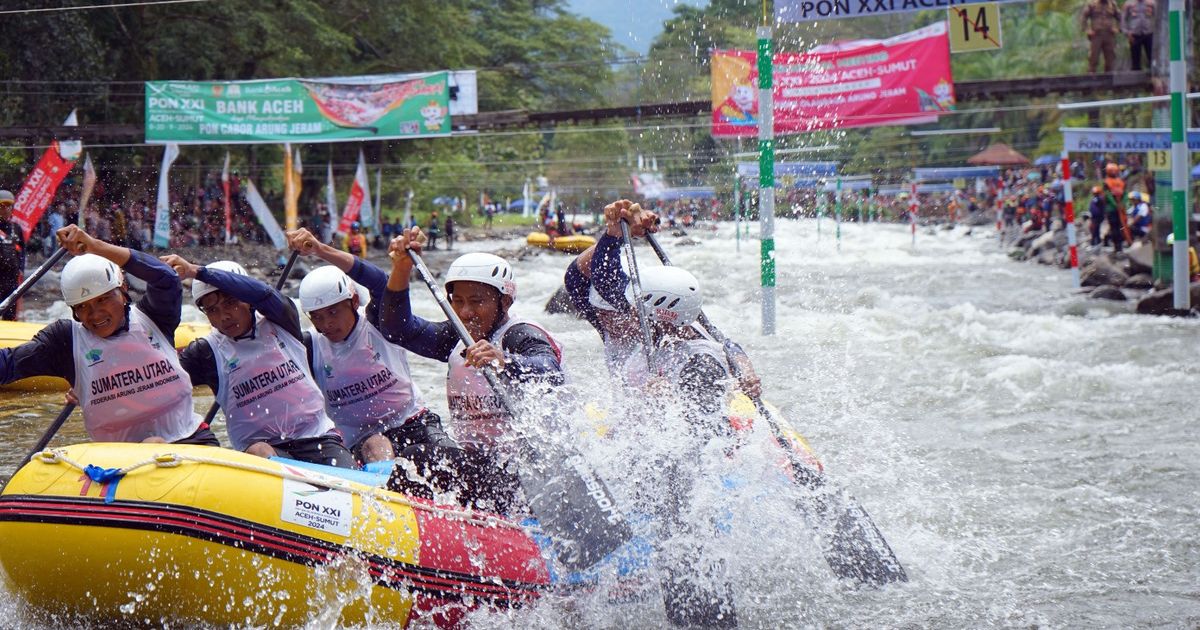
x: 1106, y: 275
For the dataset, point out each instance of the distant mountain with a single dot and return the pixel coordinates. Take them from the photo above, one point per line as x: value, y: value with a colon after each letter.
x: 634, y: 23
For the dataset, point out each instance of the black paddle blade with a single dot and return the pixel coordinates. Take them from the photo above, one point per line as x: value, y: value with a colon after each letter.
x: 853, y: 546
x: 691, y: 600
x: 573, y: 506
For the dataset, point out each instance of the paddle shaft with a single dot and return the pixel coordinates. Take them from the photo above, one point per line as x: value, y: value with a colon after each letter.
x: 49, y: 434
x: 635, y: 279
x: 283, y: 276
x: 32, y: 279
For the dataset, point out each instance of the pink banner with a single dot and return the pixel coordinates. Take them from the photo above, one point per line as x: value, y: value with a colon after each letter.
x: 38, y: 190
x: 902, y: 80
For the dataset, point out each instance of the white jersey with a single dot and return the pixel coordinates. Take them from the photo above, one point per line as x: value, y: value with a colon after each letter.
x: 367, y: 385
x: 265, y: 388
x: 668, y: 361
x: 130, y: 385
x: 477, y: 413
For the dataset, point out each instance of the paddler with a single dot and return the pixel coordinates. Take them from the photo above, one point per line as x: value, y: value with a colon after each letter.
x: 688, y: 370
x: 255, y: 362
x: 369, y: 393
x: 599, y: 288
x: 481, y: 289
x: 119, y: 357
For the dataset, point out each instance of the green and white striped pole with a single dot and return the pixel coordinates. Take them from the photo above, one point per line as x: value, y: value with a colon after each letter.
x: 766, y: 178
x: 837, y: 210
x: 1180, y: 160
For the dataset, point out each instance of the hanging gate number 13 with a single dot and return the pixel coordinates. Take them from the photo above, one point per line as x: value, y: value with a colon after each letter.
x: 974, y: 27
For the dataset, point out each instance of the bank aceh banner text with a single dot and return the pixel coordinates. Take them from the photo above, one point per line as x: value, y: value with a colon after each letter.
x: 902, y: 80
x: 298, y: 110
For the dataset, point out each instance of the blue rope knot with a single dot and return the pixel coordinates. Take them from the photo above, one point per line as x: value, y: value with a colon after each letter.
x: 109, y: 476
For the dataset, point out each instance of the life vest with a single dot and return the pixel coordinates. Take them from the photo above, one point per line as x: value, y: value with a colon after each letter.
x: 478, y: 416
x: 130, y: 385
x: 265, y: 389
x: 367, y: 385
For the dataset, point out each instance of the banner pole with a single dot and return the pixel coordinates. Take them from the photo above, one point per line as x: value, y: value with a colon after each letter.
x: 1069, y: 219
x: 766, y: 178
x: 1180, y: 160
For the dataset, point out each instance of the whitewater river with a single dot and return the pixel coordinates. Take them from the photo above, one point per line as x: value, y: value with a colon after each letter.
x: 1031, y: 458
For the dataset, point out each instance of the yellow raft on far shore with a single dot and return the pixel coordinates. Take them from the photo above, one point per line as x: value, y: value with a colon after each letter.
x: 571, y: 244
x: 13, y: 334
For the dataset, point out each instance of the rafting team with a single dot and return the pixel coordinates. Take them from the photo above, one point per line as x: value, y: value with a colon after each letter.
x: 343, y: 395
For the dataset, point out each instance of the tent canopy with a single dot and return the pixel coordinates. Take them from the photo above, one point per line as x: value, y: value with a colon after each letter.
x: 998, y: 154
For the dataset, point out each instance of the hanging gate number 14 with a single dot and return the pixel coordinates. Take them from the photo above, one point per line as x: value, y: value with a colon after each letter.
x: 974, y: 27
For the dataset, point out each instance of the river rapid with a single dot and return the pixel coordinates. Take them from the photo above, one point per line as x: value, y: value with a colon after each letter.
x: 1031, y: 457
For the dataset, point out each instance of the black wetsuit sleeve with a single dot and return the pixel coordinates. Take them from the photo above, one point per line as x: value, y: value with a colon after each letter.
x: 700, y: 382
x: 374, y: 280
x: 577, y: 286
x: 529, y: 354
x: 49, y: 353
x: 607, y: 275
x: 200, y: 363
x: 433, y: 340
x: 164, y: 291
x: 308, y: 348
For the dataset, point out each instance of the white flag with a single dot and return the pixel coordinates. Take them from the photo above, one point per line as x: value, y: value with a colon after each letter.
x: 71, y: 148
x: 225, y: 199
x: 264, y: 216
x: 89, y: 184
x: 331, y: 203
x: 366, y: 216
x: 162, y: 208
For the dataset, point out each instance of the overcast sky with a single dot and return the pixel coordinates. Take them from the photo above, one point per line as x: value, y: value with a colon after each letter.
x: 634, y: 23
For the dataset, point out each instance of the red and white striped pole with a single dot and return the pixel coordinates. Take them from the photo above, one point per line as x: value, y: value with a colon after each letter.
x: 912, y: 213
x: 1069, y: 220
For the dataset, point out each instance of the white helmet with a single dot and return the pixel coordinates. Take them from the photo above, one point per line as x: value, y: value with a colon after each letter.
x: 671, y: 295
x: 89, y: 276
x: 201, y: 289
x: 489, y: 269
x: 328, y: 285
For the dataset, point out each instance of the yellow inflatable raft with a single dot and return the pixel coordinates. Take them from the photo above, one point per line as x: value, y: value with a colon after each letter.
x: 13, y: 334
x: 573, y: 244
x: 151, y: 535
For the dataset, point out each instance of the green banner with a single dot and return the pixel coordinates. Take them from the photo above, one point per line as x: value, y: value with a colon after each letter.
x: 298, y: 110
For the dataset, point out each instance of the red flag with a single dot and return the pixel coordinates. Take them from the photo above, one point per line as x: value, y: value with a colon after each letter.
x: 358, y: 193
x: 38, y: 190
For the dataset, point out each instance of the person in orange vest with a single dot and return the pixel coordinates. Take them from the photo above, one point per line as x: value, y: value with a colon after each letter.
x: 356, y: 242
x: 1115, y: 187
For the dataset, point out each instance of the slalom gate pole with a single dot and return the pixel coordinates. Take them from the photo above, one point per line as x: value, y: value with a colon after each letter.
x: 1069, y: 220
x: 912, y: 214
x: 1180, y: 159
x: 766, y: 178
x: 837, y: 212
